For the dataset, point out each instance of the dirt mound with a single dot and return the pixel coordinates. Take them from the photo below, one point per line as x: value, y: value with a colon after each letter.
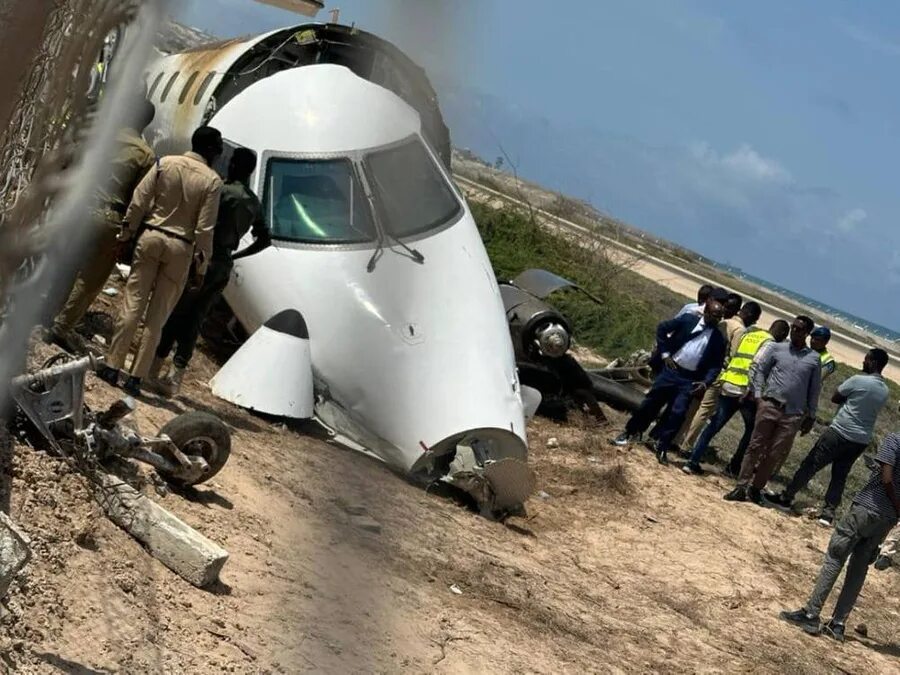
x: 620, y: 565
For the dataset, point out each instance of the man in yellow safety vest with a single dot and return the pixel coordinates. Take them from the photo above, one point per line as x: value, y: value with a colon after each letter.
x: 735, y: 383
x: 818, y: 340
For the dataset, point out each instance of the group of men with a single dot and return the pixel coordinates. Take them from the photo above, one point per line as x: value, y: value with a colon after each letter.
x: 712, y: 361
x: 182, y: 225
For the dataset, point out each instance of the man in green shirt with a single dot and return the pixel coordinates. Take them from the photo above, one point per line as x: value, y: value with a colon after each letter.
x: 239, y: 212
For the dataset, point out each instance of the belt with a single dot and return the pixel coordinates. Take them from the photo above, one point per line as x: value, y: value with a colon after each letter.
x: 774, y: 401
x: 180, y: 237
x: 684, y: 371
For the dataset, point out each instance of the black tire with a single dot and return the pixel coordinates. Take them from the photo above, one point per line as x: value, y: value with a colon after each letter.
x: 200, y: 434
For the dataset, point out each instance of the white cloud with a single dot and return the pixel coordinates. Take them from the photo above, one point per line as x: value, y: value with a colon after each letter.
x: 851, y: 220
x: 745, y: 162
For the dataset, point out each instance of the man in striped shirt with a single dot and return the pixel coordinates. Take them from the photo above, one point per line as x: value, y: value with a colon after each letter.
x: 858, y: 535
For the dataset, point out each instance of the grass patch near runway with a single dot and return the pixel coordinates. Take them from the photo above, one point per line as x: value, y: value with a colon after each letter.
x: 632, y: 305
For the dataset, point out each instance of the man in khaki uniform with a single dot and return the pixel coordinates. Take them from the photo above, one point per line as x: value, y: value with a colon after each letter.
x: 133, y: 161
x: 239, y: 212
x: 177, y: 205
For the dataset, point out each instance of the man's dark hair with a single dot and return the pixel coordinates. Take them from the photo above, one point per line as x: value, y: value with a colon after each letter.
x: 243, y: 161
x: 808, y: 323
x: 206, y: 140
x: 718, y: 294
x: 145, y: 113
x: 734, y: 299
x: 751, y: 311
x: 781, y: 323
x: 879, y: 358
x: 703, y: 293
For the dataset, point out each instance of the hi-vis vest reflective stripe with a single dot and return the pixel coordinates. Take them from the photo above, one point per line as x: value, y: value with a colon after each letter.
x: 738, y: 370
x: 825, y: 358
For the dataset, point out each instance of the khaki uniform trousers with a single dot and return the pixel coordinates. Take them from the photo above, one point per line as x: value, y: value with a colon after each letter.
x: 100, y: 261
x: 700, y: 412
x: 158, y: 276
x: 773, y: 436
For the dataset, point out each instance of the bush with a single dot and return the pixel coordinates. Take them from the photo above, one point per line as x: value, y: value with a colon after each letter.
x: 632, y: 305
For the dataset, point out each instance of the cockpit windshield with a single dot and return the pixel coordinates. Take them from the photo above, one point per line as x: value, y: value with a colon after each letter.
x: 317, y: 201
x: 410, y: 192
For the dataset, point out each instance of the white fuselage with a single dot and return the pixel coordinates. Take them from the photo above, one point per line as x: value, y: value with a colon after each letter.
x: 409, y: 357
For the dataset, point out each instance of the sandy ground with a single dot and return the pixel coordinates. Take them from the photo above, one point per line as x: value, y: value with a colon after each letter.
x: 619, y: 566
x: 844, y: 348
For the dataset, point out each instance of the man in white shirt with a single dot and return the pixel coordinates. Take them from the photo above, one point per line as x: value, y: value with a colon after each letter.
x: 697, y: 307
x: 688, y: 356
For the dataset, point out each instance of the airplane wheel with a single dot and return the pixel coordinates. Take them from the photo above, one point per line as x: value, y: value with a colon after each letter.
x: 201, y: 435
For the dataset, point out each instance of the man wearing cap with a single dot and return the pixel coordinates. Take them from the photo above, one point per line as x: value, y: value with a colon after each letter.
x: 860, y: 397
x: 818, y: 340
x: 688, y: 356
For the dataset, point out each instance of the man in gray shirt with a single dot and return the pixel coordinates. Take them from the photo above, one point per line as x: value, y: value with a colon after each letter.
x: 857, y: 537
x: 786, y: 384
x: 861, y: 398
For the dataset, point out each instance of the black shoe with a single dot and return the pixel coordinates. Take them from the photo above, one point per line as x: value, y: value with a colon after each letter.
x: 800, y: 618
x: 693, y: 469
x: 109, y: 375
x: 782, y: 499
x: 882, y: 562
x: 755, y: 495
x: 826, y: 518
x: 739, y: 494
x: 662, y: 458
x: 624, y: 439
x: 132, y: 386
x: 67, y: 340
x: 834, y: 630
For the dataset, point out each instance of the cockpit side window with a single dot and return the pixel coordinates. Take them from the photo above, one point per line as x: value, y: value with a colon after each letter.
x: 317, y: 201
x: 411, y: 193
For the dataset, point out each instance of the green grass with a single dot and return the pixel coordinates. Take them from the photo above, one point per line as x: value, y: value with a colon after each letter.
x: 632, y: 307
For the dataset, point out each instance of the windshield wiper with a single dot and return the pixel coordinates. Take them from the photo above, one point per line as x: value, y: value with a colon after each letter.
x: 376, y: 256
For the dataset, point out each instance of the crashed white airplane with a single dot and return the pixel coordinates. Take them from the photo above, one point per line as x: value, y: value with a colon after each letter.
x: 375, y: 254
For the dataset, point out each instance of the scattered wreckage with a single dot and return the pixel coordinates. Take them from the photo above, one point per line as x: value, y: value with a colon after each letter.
x: 374, y: 250
x: 542, y: 337
x: 190, y: 449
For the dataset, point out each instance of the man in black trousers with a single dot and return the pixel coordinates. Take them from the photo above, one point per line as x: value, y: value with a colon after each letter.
x: 689, y: 354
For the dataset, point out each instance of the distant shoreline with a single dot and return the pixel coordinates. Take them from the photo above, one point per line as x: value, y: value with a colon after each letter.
x: 657, y: 263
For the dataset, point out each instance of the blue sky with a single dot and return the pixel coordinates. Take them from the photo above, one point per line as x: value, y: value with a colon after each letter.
x: 761, y: 134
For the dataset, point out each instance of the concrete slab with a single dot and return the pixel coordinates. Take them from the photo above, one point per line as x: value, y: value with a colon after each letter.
x: 14, y: 552
x: 170, y: 540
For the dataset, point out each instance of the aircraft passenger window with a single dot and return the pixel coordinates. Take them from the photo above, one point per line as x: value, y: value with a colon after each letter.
x: 317, y: 202
x: 187, y: 86
x: 411, y: 193
x: 169, y: 85
x: 203, y: 87
x: 154, y: 86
